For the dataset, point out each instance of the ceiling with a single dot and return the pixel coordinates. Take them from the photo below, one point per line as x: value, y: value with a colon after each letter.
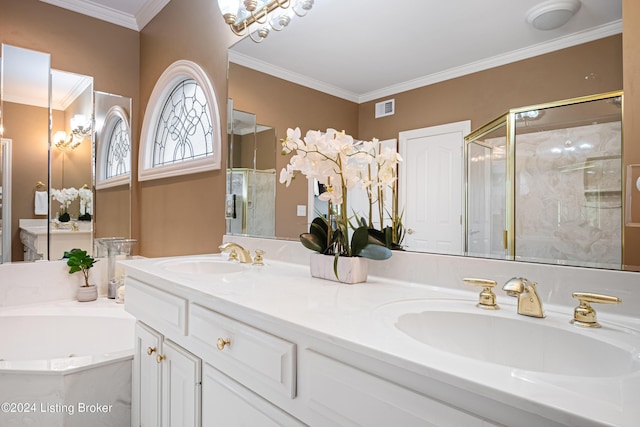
x: 362, y: 50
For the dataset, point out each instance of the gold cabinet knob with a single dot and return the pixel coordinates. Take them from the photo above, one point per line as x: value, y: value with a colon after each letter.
x: 150, y: 350
x: 160, y: 358
x: 222, y: 343
x: 584, y: 315
x: 486, y: 299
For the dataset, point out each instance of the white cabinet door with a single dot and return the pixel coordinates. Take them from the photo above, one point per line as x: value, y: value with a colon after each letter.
x: 227, y: 403
x: 180, y: 387
x: 145, y: 405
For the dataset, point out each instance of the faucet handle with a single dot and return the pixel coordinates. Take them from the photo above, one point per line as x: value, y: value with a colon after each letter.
x: 584, y: 315
x: 487, y: 299
x: 233, y: 255
x: 258, y: 259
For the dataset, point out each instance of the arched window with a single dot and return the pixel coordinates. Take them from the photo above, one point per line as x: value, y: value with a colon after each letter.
x: 114, y: 150
x: 181, y: 127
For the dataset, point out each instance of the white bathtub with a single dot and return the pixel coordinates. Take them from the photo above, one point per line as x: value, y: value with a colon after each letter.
x: 66, y: 364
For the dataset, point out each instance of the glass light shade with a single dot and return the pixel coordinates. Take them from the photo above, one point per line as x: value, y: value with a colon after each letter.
x: 59, y: 137
x: 229, y: 6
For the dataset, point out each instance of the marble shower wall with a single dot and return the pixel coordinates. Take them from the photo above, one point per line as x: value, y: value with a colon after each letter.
x: 568, y: 200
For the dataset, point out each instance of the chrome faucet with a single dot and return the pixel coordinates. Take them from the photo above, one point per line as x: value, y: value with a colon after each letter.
x: 242, y: 254
x: 529, y: 303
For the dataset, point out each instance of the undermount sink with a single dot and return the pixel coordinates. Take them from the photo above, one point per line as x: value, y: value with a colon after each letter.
x: 198, y: 266
x: 550, y: 345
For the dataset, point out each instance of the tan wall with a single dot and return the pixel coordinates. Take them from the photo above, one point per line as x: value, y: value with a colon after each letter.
x: 183, y: 215
x: 631, y: 124
x: 482, y: 96
x: 281, y: 105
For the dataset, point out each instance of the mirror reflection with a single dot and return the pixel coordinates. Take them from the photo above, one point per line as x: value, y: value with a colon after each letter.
x: 71, y: 154
x: 55, y: 199
x: 251, y: 176
x: 297, y: 107
x: 113, y: 165
x: 25, y: 122
x: 552, y: 190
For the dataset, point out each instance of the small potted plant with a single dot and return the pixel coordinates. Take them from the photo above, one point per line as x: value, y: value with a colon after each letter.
x: 79, y: 260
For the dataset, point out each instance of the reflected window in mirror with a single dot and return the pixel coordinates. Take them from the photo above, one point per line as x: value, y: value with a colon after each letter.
x: 180, y: 131
x: 113, y: 166
x: 114, y: 149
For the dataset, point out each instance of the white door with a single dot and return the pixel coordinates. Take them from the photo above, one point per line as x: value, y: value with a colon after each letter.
x: 431, y: 187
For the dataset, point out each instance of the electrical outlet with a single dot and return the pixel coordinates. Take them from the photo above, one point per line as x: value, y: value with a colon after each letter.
x: 302, y: 210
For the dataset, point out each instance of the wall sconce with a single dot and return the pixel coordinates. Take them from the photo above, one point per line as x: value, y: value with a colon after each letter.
x: 262, y: 15
x: 80, y: 127
x: 64, y: 142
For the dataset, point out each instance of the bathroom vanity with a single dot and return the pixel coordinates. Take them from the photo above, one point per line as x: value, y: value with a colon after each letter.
x: 224, y: 343
x: 34, y: 234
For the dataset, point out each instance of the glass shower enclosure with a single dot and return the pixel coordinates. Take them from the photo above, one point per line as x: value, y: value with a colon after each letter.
x: 544, y: 184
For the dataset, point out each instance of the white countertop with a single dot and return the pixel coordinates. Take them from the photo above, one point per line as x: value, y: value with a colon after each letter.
x: 358, y: 317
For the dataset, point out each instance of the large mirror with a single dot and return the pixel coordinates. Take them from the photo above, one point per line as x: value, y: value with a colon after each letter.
x: 69, y: 182
x: 113, y: 165
x: 25, y: 122
x: 286, y: 104
x: 71, y: 165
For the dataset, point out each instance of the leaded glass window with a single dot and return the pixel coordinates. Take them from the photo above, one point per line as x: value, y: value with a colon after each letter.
x: 184, y: 130
x: 119, y: 151
x: 181, y: 127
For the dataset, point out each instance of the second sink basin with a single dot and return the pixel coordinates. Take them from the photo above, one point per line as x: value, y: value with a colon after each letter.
x: 549, y: 345
x: 197, y: 266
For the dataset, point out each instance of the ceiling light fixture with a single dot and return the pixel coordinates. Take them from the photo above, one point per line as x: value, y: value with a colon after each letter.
x: 258, y: 17
x: 552, y: 14
x: 80, y: 127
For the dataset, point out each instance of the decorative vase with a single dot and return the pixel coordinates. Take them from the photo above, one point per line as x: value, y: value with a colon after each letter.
x: 87, y: 293
x: 350, y: 269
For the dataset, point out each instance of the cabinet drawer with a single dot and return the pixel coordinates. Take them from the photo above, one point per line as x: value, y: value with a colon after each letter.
x: 260, y: 361
x: 340, y: 394
x: 161, y: 310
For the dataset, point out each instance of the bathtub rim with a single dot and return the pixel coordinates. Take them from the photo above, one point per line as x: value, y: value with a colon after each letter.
x: 101, y: 308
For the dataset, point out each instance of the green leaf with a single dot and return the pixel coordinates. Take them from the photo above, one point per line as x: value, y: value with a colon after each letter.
x: 375, y: 252
x: 319, y: 228
x: 376, y: 237
x: 313, y: 242
x: 359, y: 240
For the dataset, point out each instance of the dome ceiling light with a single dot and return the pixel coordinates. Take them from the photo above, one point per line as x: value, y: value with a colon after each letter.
x: 552, y: 14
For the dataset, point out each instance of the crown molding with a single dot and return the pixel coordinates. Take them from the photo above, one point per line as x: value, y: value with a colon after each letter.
x: 473, y: 67
x: 63, y: 101
x: 592, y: 34
x: 274, y: 70
x: 149, y: 10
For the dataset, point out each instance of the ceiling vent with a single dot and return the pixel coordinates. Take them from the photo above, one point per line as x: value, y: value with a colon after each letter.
x: 385, y: 108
